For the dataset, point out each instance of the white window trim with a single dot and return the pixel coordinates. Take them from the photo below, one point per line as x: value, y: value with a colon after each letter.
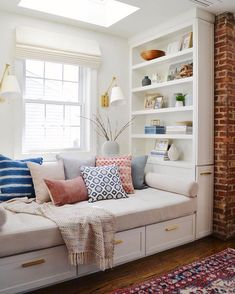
x: 90, y: 141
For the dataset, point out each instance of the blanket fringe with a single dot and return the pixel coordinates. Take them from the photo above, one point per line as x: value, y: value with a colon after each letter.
x: 82, y: 258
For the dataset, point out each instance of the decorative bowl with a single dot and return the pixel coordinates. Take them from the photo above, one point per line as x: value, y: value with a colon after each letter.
x: 151, y: 54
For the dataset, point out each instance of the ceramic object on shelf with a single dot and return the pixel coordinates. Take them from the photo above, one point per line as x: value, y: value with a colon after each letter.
x: 173, y: 153
x: 146, y: 81
x: 179, y: 103
x: 110, y: 148
x: 151, y: 54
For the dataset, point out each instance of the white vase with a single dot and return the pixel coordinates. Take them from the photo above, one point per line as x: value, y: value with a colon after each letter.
x: 173, y: 153
x: 179, y: 104
x: 110, y: 148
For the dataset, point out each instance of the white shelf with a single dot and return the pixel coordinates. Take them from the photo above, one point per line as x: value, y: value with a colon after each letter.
x: 185, y: 54
x: 178, y: 163
x: 162, y: 136
x: 162, y: 85
x: 162, y: 110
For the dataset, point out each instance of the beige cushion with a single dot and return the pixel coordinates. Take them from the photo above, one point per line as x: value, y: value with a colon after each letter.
x: 172, y: 184
x: 24, y: 232
x: 49, y: 170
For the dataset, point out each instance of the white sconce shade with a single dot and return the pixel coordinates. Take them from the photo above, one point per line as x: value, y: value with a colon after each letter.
x: 117, y: 97
x: 10, y: 88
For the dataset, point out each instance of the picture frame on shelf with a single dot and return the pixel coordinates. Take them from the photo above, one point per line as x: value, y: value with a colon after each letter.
x: 161, y: 145
x: 186, y: 41
x: 173, y: 47
x: 155, y: 122
x: 150, y: 100
x: 159, y: 101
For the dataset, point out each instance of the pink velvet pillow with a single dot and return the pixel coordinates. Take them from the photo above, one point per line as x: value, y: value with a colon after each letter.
x: 66, y: 191
x: 124, y: 164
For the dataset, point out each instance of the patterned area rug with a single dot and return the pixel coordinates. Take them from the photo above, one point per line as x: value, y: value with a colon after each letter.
x: 212, y: 275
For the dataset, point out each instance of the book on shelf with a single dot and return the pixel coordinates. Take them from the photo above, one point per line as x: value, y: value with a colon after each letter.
x: 154, y: 130
x: 159, y: 155
x: 179, y: 130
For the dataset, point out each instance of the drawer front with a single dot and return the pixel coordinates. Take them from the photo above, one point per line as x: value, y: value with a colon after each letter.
x: 26, y: 271
x: 129, y: 245
x: 168, y: 234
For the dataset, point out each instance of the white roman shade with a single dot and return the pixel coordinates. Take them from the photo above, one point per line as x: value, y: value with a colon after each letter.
x: 50, y: 46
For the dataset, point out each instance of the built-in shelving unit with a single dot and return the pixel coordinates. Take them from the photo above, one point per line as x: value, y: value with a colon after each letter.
x: 196, y: 149
x: 198, y: 88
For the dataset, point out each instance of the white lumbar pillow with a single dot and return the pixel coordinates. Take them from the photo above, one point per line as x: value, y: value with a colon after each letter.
x: 172, y: 184
x: 3, y: 217
x: 49, y: 170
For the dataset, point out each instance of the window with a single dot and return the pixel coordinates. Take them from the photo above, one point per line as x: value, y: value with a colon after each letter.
x: 54, y: 101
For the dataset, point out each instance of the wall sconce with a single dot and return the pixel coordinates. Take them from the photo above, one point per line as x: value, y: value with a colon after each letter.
x: 9, y: 87
x: 116, y: 97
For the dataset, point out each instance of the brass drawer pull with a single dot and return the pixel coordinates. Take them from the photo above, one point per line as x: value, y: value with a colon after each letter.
x: 117, y: 242
x: 168, y: 229
x: 205, y: 173
x: 33, y: 262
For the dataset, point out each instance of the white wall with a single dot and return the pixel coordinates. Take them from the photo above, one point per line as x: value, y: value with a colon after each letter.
x: 115, y: 62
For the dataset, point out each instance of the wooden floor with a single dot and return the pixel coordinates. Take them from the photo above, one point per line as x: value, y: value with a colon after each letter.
x: 140, y: 270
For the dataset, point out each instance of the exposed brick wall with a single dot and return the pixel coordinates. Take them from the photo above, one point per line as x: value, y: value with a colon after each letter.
x: 224, y: 194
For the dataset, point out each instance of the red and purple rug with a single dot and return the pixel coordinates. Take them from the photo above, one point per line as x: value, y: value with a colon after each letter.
x: 212, y: 275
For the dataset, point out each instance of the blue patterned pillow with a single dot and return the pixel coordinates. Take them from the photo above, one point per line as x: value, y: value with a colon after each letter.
x: 103, y: 183
x: 15, y: 178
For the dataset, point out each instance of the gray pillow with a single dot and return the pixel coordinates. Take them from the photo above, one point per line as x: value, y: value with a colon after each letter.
x: 138, y: 171
x: 72, y: 165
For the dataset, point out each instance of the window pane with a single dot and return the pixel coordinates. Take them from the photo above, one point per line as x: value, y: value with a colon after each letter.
x: 34, y: 88
x: 72, y: 115
x: 71, y: 73
x: 34, y: 126
x: 54, y: 138
x: 72, y: 137
x: 53, y: 71
x: 56, y: 124
x: 34, y: 68
x: 70, y: 91
x: 54, y: 115
x: 53, y: 90
x: 35, y: 114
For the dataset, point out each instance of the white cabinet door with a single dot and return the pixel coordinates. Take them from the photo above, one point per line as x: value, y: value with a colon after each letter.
x: 204, y: 216
x: 129, y: 245
x: 168, y: 234
x: 35, y: 269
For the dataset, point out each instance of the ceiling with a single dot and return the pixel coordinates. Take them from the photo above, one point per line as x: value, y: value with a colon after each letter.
x: 150, y: 14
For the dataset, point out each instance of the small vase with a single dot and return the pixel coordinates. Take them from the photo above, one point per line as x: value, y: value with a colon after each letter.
x: 110, y: 148
x: 146, y: 81
x: 173, y: 153
x: 179, y: 103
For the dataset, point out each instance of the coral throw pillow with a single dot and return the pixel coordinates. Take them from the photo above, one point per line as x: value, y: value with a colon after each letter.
x: 124, y: 165
x: 66, y: 191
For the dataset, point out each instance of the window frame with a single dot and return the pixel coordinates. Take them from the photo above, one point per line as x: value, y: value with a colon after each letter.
x: 88, y: 138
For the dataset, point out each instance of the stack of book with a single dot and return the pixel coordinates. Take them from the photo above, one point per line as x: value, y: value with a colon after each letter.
x: 154, y: 130
x: 179, y: 130
x: 159, y: 155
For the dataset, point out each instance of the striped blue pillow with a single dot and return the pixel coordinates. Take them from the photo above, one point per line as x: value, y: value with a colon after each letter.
x: 15, y: 178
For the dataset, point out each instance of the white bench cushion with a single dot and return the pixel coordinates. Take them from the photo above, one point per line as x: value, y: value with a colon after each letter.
x: 24, y: 232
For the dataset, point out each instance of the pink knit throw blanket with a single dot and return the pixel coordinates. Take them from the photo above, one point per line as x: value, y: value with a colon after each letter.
x: 87, y: 232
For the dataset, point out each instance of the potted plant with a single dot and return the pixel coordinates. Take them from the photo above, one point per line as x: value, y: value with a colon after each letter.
x: 180, y: 99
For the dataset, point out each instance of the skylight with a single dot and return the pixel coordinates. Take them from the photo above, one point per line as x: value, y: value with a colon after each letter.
x: 99, y: 12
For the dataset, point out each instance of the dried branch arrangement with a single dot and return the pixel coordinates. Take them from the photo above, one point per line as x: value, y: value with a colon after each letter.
x: 104, y: 128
